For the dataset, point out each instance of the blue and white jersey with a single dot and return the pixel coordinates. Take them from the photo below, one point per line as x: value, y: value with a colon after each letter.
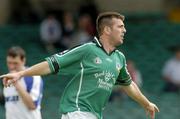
x: 15, y: 108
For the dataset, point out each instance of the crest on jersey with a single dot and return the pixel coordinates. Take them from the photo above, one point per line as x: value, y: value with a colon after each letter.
x: 118, y: 67
x: 97, y: 60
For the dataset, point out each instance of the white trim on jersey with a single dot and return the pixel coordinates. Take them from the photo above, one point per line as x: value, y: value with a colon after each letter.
x: 80, y: 84
x: 98, y: 41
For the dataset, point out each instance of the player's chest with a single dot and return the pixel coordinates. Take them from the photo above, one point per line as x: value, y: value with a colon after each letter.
x: 104, y: 66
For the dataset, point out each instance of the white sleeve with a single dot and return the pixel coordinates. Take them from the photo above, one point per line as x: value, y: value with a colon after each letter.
x: 167, y: 69
x: 37, y: 88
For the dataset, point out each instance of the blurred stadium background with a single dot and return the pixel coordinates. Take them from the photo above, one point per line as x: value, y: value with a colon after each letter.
x: 151, y: 27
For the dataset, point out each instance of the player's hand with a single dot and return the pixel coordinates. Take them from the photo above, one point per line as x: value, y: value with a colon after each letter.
x: 9, y: 79
x: 151, y: 109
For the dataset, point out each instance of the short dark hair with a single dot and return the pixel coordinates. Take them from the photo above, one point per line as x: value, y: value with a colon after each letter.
x: 16, y: 51
x: 105, y: 18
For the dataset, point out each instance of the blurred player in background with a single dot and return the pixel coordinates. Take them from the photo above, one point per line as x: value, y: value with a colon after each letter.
x: 23, y: 99
x: 171, y: 71
x: 94, y: 68
x: 134, y: 73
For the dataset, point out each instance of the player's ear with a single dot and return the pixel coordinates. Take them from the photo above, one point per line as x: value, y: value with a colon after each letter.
x: 107, y: 29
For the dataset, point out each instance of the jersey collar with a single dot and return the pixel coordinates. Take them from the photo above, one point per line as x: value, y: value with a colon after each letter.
x: 98, y: 43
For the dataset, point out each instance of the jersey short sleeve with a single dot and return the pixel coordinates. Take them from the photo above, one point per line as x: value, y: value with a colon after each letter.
x: 124, y: 77
x: 67, y: 58
x: 34, y: 86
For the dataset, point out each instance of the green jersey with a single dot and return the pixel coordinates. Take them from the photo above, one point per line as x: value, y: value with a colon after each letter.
x: 93, y: 74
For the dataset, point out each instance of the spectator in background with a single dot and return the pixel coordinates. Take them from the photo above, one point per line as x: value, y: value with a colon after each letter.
x: 68, y: 29
x: 50, y: 32
x: 171, y: 71
x: 134, y: 73
x: 85, y: 31
x: 23, y: 99
x: 89, y: 7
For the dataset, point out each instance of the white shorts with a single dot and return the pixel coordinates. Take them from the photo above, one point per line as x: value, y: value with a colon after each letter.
x: 78, y: 115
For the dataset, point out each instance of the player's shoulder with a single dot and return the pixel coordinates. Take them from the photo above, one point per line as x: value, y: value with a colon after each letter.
x: 37, y: 77
x: 87, y: 45
x: 32, y: 78
x: 120, y: 53
x: 37, y: 80
x: 82, y: 46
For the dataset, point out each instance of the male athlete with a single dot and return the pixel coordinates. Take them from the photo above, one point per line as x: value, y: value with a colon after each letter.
x: 94, y: 68
x: 23, y: 99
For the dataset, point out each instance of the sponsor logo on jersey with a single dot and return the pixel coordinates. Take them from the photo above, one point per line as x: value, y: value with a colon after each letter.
x: 11, y: 98
x: 108, y: 76
x: 106, y: 80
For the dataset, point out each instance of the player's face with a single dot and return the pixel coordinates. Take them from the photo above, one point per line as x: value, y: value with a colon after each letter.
x: 15, y: 63
x: 117, y: 31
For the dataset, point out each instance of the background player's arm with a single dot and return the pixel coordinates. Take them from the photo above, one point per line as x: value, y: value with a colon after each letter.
x: 133, y: 91
x: 26, y: 98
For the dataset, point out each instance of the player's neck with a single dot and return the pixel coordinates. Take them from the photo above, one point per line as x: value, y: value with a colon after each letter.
x: 108, y: 47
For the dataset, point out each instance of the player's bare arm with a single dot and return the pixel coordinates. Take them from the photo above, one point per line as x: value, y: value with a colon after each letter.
x: 133, y: 91
x: 38, y: 69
